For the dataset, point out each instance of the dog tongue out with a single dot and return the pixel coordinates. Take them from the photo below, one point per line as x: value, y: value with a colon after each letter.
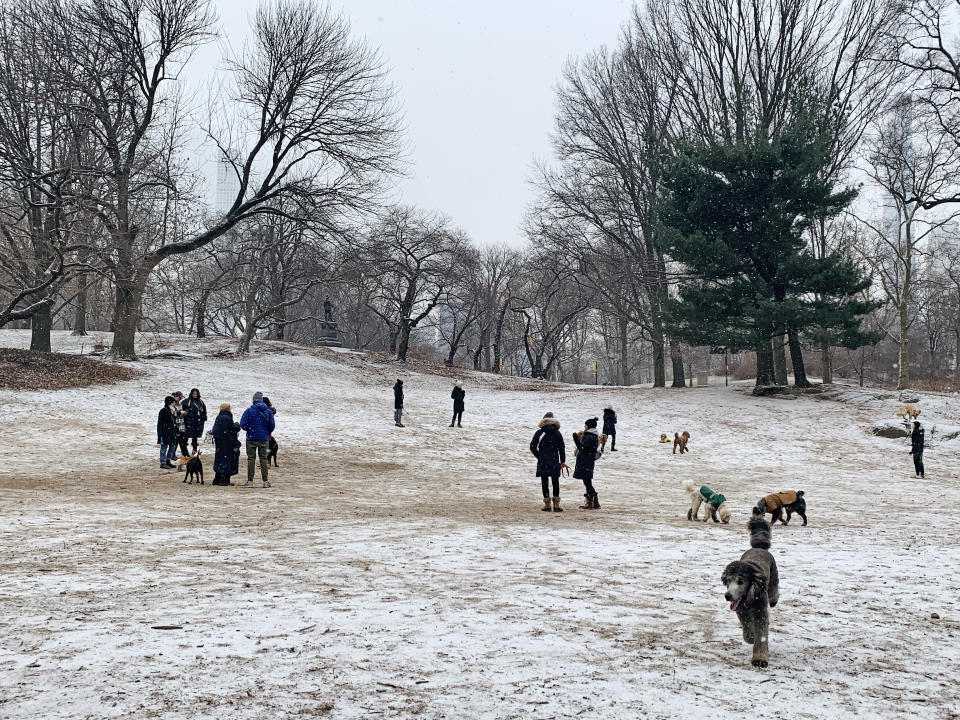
x: 733, y: 605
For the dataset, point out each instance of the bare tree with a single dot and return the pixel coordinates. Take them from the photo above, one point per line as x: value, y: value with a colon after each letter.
x: 308, y: 115
x: 912, y: 162
x: 412, y: 256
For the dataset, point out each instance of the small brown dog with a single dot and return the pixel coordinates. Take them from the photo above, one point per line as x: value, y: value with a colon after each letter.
x: 680, y: 440
x: 182, y: 462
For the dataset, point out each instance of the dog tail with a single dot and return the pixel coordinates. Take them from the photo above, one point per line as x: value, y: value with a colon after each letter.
x: 690, y: 486
x: 759, y: 532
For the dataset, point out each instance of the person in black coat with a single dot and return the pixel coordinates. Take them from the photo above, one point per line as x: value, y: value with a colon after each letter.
x: 916, y: 448
x: 588, y: 450
x: 194, y: 416
x: 167, y: 433
x: 398, y: 403
x: 548, y: 447
x: 457, y: 395
x: 226, y: 461
x: 610, y: 427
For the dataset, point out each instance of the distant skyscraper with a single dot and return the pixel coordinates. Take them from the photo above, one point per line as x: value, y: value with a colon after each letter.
x: 228, y: 184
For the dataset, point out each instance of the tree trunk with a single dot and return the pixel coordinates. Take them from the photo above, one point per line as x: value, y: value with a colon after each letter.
x: 826, y: 369
x: 796, y: 357
x: 765, y: 373
x: 623, y: 376
x: 676, y: 359
x: 903, y: 354
x: 40, y: 324
x: 659, y: 353
x: 403, y: 342
x: 200, y: 314
x: 80, y: 315
x: 779, y: 360
x: 956, y: 359
x: 126, y: 317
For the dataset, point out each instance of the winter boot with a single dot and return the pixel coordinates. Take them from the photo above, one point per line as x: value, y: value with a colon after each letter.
x: 596, y: 501
x: 588, y: 503
x: 546, y: 505
x: 556, y: 505
x: 451, y: 424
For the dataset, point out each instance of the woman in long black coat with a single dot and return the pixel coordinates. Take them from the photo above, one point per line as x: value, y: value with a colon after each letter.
x: 916, y: 448
x: 588, y: 450
x: 226, y: 461
x: 548, y: 447
x: 195, y: 416
x: 457, y: 396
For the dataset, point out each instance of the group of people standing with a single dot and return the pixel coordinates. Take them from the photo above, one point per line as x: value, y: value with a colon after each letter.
x: 457, y: 395
x: 180, y: 420
x: 549, y: 448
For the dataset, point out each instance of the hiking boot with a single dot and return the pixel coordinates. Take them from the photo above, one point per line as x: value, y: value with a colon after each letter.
x: 266, y: 483
x: 556, y: 505
x: 588, y: 503
x: 248, y: 483
x: 546, y: 505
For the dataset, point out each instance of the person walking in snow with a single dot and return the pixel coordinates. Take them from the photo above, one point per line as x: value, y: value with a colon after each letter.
x: 398, y: 403
x: 194, y: 416
x: 167, y: 433
x: 226, y: 460
x: 588, y: 450
x: 548, y: 447
x: 916, y: 448
x: 457, y: 395
x: 610, y: 427
x: 258, y: 422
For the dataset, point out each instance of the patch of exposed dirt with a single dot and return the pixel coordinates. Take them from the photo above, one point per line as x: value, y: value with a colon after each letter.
x: 30, y: 370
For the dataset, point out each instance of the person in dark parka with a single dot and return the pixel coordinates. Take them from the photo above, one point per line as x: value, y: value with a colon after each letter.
x: 226, y: 461
x: 610, y: 427
x: 548, y: 447
x: 457, y: 395
x: 167, y: 433
x: 588, y: 450
x: 398, y: 403
x: 916, y: 448
x: 195, y: 416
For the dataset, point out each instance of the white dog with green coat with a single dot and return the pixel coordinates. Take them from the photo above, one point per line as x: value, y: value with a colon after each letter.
x: 715, y: 503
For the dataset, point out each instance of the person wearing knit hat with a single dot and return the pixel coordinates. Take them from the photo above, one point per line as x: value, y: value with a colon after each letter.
x: 457, y: 395
x: 258, y: 422
x: 226, y: 460
x: 588, y: 450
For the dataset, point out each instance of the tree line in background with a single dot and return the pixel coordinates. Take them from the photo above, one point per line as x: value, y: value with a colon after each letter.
x: 776, y: 179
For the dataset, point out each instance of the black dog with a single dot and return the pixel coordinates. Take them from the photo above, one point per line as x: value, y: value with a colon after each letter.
x: 273, y: 447
x: 753, y: 584
x: 789, y: 501
x: 194, y: 469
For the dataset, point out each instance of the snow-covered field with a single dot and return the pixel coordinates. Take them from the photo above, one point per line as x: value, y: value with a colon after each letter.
x: 409, y: 573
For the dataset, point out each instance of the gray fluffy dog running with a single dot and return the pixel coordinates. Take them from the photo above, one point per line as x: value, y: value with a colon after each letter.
x: 753, y: 585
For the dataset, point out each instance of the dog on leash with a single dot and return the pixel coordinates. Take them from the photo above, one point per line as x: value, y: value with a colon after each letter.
x: 753, y: 585
x: 784, y: 502
x: 272, y: 452
x: 680, y: 440
x: 714, y: 503
x: 194, y: 469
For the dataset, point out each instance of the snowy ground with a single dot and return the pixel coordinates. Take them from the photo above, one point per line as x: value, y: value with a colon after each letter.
x: 404, y: 573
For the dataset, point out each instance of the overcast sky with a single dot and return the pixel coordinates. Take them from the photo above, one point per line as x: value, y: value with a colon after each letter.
x: 475, y: 81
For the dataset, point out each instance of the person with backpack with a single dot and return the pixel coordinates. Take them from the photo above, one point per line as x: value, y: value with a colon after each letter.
x: 226, y: 460
x: 167, y: 433
x: 194, y: 416
x: 398, y: 403
x: 457, y: 395
x: 588, y: 450
x: 258, y: 422
x: 548, y: 447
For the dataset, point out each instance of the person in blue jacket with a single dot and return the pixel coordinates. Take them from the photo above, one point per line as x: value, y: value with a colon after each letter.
x: 258, y: 422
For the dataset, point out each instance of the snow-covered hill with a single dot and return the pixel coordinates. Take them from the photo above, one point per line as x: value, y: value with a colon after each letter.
x: 410, y: 573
